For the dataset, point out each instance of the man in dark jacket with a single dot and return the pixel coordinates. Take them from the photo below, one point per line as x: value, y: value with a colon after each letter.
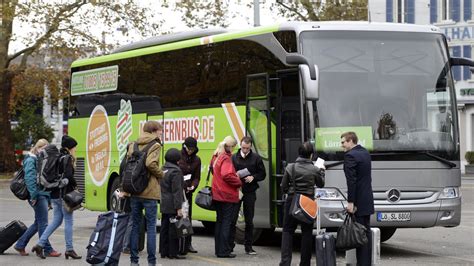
x: 190, y: 165
x: 357, y: 168
x: 170, y: 204
x: 246, y: 159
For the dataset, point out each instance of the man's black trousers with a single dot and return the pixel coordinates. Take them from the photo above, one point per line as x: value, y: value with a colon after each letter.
x: 364, y: 254
x: 248, y: 200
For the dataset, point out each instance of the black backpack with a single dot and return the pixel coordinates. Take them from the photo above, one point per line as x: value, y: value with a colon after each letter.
x: 18, y: 185
x: 48, y: 167
x: 134, y: 173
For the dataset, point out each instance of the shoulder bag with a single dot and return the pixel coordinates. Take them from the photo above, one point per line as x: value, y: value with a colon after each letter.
x: 303, y: 208
x: 204, y: 197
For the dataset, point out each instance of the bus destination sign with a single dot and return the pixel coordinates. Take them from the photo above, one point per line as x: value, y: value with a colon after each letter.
x: 94, y: 80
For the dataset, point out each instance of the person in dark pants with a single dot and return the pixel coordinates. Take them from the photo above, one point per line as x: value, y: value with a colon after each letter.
x: 172, y: 199
x: 190, y: 165
x: 225, y: 195
x: 357, y: 168
x: 250, y: 168
x: 299, y: 178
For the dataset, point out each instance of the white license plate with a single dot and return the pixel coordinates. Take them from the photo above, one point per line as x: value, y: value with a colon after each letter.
x: 393, y: 216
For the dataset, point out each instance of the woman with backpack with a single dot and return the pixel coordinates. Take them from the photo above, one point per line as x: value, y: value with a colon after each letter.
x: 38, y: 200
x: 60, y: 212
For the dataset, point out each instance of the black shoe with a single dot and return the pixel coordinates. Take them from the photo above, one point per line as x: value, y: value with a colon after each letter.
x: 250, y: 252
x: 231, y: 256
x: 177, y: 257
x: 192, y: 250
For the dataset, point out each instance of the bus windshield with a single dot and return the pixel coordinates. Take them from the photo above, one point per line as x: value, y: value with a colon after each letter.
x: 398, y: 84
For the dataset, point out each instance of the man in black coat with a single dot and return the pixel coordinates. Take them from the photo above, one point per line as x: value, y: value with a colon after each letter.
x: 246, y: 159
x: 358, y: 168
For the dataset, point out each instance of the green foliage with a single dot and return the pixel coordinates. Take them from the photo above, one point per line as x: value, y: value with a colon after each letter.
x: 469, y: 157
x: 31, y: 127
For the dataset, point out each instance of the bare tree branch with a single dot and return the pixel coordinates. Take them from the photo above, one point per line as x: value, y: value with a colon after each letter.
x: 294, y: 10
x: 64, y: 12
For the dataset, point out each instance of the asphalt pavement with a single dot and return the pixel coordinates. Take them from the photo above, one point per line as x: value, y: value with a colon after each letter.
x: 430, y: 246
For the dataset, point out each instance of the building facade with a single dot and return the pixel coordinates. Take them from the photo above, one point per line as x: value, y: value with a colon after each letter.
x: 456, y: 20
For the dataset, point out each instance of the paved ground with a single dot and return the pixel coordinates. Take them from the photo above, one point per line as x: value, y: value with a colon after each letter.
x: 431, y: 246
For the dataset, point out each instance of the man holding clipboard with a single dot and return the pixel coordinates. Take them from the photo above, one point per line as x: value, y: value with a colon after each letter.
x: 250, y: 168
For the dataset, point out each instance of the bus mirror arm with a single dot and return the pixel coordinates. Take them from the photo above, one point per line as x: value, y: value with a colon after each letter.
x: 459, y: 61
x: 298, y: 59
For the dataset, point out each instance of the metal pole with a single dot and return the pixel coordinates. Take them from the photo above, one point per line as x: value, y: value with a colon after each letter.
x: 256, y: 13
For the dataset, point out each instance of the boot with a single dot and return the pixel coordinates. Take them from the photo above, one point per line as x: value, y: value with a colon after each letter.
x: 21, y: 251
x: 39, y: 251
x: 72, y: 254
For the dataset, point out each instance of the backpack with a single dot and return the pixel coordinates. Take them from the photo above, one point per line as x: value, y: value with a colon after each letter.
x: 134, y: 172
x: 18, y: 185
x: 48, y: 167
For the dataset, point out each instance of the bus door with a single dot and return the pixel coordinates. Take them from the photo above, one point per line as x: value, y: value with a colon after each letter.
x: 260, y: 126
x: 285, y: 87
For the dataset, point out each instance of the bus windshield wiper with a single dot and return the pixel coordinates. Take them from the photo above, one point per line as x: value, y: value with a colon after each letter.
x: 427, y: 153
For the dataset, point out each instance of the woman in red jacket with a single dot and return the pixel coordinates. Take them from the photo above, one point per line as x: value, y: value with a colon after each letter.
x: 225, y: 196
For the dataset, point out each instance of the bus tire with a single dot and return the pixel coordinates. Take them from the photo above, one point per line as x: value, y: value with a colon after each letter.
x: 112, y: 202
x: 386, y: 233
x: 209, y: 226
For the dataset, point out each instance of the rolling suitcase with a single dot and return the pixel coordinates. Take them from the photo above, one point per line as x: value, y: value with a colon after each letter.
x: 325, y: 244
x: 351, y: 256
x: 10, y: 234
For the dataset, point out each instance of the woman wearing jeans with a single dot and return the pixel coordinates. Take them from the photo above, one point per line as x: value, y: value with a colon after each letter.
x: 38, y: 201
x: 68, y: 184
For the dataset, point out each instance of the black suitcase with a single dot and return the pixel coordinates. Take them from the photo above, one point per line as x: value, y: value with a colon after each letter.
x: 10, y: 234
x: 106, y: 242
x: 182, y: 247
x: 325, y: 245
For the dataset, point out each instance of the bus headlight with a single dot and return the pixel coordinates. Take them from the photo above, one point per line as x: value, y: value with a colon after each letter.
x: 449, y: 193
x: 329, y: 194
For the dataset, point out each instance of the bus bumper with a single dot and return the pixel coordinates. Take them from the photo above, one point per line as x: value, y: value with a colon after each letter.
x: 439, y: 213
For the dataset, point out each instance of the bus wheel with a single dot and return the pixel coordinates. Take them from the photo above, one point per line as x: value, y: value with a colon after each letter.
x: 209, y: 226
x: 386, y: 233
x: 112, y: 200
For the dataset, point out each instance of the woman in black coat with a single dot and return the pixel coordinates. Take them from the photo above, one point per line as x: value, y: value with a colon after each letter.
x: 172, y: 199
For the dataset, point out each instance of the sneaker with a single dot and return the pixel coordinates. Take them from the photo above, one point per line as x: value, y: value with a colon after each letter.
x: 251, y: 252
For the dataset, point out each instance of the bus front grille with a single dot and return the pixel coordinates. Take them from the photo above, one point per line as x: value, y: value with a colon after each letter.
x: 79, y: 175
x: 394, y: 196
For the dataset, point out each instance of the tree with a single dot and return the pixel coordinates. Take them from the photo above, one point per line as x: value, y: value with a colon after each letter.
x: 63, y: 28
x: 310, y: 10
x: 30, y: 128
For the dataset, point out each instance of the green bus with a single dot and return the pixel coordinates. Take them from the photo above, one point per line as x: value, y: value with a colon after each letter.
x: 283, y: 85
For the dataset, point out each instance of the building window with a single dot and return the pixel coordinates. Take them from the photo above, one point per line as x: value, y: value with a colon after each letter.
x: 400, y: 11
x: 451, y: 10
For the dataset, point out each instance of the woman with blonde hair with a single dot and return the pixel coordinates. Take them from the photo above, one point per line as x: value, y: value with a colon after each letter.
x: 60, y: 211
x: 38, y: 200
x: 225, y: 196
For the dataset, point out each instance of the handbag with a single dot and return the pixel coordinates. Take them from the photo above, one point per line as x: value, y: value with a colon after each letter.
x: 183, y: 227
x: 204, y: 196
x: 303, y: 208
x: 351, y: 234
x: 18, y: 185
x: 73, y: 200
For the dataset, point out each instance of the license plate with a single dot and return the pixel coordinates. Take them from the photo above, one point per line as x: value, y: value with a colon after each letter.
x: 393, y: 216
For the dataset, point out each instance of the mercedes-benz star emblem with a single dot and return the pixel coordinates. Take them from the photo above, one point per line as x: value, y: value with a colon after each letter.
x: 393, y: 195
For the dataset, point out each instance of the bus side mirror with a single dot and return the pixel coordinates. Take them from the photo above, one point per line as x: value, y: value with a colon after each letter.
x: 310, y: 86
x: 309, y: 75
